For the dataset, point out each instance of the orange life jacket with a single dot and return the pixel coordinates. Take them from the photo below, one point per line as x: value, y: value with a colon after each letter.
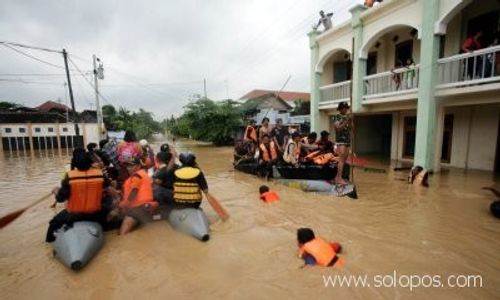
x: 269, y: 197
x: 86, y: 191
x: 251, y: 133
x: 323, y: 159
x: 265, y: 152
x: 145, y: 193
x: 312, y: 155
x: 322, y: 252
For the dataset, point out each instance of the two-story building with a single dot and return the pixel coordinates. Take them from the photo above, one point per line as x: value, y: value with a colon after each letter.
x: 417, y: 95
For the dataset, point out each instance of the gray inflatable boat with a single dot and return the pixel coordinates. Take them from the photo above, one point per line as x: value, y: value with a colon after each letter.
x: 190, y: 221
x: 320, y: 186
x: 76, y: 245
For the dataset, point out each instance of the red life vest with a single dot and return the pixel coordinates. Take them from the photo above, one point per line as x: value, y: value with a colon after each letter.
x: 266, y: 156
x: 269, y: 197
x: 322, y: 252
x: 86, y: 191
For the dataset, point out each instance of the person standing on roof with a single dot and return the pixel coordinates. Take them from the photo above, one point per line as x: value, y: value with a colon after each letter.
x: 325, y: 19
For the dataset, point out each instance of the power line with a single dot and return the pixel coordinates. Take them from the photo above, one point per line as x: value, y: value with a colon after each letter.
x: 88, y: 81
x: 32, y: 57
x: 30, y: 47
x: 38, y: 74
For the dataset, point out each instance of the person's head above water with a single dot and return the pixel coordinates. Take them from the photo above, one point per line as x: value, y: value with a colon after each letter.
x: 263, y: 189
x: 305, y: 235
x: 418, y: 176
x: 187, y: 159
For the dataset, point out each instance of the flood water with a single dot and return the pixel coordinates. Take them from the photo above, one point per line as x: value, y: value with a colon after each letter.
x: 441, y: 231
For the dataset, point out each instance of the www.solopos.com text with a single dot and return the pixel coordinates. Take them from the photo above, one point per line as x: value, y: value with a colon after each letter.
x: 411, y: 282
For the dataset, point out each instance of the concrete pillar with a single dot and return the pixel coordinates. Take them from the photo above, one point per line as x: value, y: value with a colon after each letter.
x: 30, y: 137
x: 359, y: 64
x: 58, y: 134
x: 426, y: 133
x: 315, y: 81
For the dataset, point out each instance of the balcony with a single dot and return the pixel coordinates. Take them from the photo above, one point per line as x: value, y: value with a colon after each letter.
x: 469, y: 72
x: 397, y: 84
x: 333, y: 94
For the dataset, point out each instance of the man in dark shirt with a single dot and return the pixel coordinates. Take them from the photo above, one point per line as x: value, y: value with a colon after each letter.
x: 280, y: 135
x: 324, y: 143
x: 164, y: 179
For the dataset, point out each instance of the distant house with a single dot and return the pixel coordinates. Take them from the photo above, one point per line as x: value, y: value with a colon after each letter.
x: 273, y: 104
x: 45, y: 127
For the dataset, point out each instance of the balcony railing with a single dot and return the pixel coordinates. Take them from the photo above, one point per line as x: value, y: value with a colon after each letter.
x: 481, y: 66
x: 392, y: 82
x: 336, y: 92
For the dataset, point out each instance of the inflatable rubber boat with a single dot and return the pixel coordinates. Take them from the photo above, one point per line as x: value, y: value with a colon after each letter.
x: 76, y: 245
x: 190, y: 221
x: 312, y: 172
x: 320, y: 186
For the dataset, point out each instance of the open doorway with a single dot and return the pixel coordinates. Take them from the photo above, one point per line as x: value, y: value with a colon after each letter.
x: 373, y: 135
x: 404, y: 51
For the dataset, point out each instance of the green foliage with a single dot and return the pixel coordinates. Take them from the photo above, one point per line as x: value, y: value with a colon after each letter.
x: 301, y: 108
x: 141, y: 122
x: 207, y: 120
x: 6, y: 106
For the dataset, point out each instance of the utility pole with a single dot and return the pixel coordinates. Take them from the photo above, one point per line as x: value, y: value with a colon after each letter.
x: 68, y: 77
x: 205, y: 87
x: 97, y: 105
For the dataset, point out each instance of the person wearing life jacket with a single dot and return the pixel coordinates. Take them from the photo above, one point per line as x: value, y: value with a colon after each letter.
x: 82, y: 189
x: 369, y: 3
x: 163, y: 178
x: 316, y: 251
x: 148, y: 155
x: 264, y: 129
x: 268, y: 156
x: 126, y: 151
x: 293, y: 150
x: 189, y: 183
x: 320, y: 158
x: 137, y: 203
x: 250, y: 139
x: 268, y: 196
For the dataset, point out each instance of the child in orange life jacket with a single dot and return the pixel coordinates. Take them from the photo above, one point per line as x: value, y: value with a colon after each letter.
x: 316, y: 251
x: 268, y: 196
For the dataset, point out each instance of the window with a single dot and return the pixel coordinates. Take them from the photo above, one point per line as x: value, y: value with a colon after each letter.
x: 22, y: 130
x: 37, y: 129
x: 404, y: 51
x: 8, y: 130
x: 51, y: 129
x: 65, y: 129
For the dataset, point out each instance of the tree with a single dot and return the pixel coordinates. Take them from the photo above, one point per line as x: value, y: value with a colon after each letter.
x: 7, y: 106
x: 141, y: 122
x: 210, y: 121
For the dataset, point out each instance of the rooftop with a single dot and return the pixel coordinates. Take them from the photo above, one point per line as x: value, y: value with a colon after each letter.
x: 285, y: 95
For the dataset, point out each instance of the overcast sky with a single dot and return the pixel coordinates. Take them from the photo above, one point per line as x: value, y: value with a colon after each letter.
x: 156, y: 53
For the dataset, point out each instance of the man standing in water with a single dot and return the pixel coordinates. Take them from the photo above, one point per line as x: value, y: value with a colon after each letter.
x: 325, y: 19
x: 342, y: 124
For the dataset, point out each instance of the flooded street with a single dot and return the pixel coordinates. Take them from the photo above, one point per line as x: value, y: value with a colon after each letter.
x: 444, y: 230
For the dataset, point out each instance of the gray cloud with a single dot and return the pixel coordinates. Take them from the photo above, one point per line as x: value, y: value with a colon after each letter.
x: 236, y: 45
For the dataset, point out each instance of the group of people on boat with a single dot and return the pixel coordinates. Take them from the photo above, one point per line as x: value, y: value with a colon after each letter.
x: 111, y: 185
x: 273, y: 146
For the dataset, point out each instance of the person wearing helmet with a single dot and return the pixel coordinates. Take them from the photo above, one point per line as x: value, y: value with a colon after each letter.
x: 148, y: 155
x: 189, y: 183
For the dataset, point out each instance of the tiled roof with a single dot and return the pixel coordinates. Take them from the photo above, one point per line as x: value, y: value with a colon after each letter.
x: 285, y: 95
x: 51, y: 105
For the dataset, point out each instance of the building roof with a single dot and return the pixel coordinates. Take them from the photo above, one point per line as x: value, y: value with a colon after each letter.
x: 52, y: 105
x: 285, y: 95
x: 269, y: 101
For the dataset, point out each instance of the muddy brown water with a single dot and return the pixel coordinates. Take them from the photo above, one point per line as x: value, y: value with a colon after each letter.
x: 442, y: 231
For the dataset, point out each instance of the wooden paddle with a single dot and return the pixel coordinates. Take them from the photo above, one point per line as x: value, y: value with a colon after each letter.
x: 7, y: 219
x: 217, y: 207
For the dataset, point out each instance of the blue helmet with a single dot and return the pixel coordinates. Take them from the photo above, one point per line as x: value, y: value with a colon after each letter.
x: 187, y: 159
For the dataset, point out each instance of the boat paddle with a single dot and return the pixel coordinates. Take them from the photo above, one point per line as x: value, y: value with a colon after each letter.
x: 217, y: 207
x: 7, y: 219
